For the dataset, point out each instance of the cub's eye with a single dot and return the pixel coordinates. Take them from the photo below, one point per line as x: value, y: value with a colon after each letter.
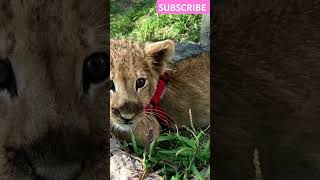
x: 7, y: 78
x: 111, y: 86
x: 95, y: 69
x: 140, y: 83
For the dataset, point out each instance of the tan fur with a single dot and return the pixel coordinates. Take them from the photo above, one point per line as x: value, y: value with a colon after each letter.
x: 188, y: 88
x: 52, y: 128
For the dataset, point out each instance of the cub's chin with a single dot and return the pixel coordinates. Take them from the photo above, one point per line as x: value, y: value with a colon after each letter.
x: 133, y: 126
x: 120, y: 124
x: 124, y: 127
x: 144, y: 130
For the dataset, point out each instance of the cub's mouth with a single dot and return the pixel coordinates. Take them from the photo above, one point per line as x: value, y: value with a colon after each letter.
x: 127, y: 116
x: 126, y: 123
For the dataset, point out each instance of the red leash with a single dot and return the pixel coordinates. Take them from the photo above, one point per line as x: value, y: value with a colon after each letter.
x: 154, y: 104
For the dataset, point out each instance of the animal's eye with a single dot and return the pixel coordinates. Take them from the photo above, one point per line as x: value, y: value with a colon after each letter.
x: 7, y: 78
x: 95, y: 69
x: 111, y: 86
x: 140, y: 83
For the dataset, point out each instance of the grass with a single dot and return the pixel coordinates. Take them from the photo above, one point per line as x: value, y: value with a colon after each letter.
x: 140, y: 22
x: 176, y: 155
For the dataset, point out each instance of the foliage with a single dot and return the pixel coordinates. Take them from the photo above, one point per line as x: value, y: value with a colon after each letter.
x: 176, y: 155
x: 140, y: 21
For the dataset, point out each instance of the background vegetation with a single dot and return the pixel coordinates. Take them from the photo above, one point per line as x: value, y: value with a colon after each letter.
x: 140, y: 21
x: 183, y: 154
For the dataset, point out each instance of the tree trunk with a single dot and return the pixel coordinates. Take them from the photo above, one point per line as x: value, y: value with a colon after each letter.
x: 205, y: 31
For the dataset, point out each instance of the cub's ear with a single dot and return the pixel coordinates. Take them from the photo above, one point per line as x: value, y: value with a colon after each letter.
x: 160, y: 53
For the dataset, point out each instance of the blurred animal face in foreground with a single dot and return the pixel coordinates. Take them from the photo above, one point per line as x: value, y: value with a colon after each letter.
x: 53, y: 70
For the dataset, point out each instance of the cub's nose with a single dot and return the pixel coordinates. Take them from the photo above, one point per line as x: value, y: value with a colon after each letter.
x: 127, y: 117
x: 128, y: 111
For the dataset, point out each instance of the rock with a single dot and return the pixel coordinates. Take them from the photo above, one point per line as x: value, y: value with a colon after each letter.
x: 124, y: 166
x: 187, y: 50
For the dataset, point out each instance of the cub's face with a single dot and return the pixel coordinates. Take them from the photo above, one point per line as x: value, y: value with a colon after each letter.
x: 134, y: 73
x: 53, y: 98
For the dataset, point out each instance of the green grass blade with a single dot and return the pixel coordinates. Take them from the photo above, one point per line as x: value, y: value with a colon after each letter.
x: 188, y: 142
x: 167, y: 138
x: 185, y: 152
x: 196, y: 172
x: 207, y: 174
x: 176, y: 177
x: 134, y: 143
x: 151, y: 148
x: 168, y: 151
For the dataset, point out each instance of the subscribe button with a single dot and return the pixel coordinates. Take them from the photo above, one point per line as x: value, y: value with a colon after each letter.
x: 183, y: 6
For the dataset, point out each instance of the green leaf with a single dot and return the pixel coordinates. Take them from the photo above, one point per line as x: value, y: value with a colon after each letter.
x: 168, y: 151
x: 185, y: 152
x: 125, y: 146
x: 188, y: 142
x: 191, y: 131
x: 170, y: 169
x: 147, y: 164
x: 176, y: 177
x: 196, y: 172
x: 134, y: 144
x: 166, y: 138
x: 151, y: 148
x: 205, y: 152
x: 207, y: 174
x: 199, y: 135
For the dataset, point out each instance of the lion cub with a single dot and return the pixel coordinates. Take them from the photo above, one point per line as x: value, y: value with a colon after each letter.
x: 135, y: 70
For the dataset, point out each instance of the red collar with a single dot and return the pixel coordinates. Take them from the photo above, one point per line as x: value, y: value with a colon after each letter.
x: 154, y: 105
